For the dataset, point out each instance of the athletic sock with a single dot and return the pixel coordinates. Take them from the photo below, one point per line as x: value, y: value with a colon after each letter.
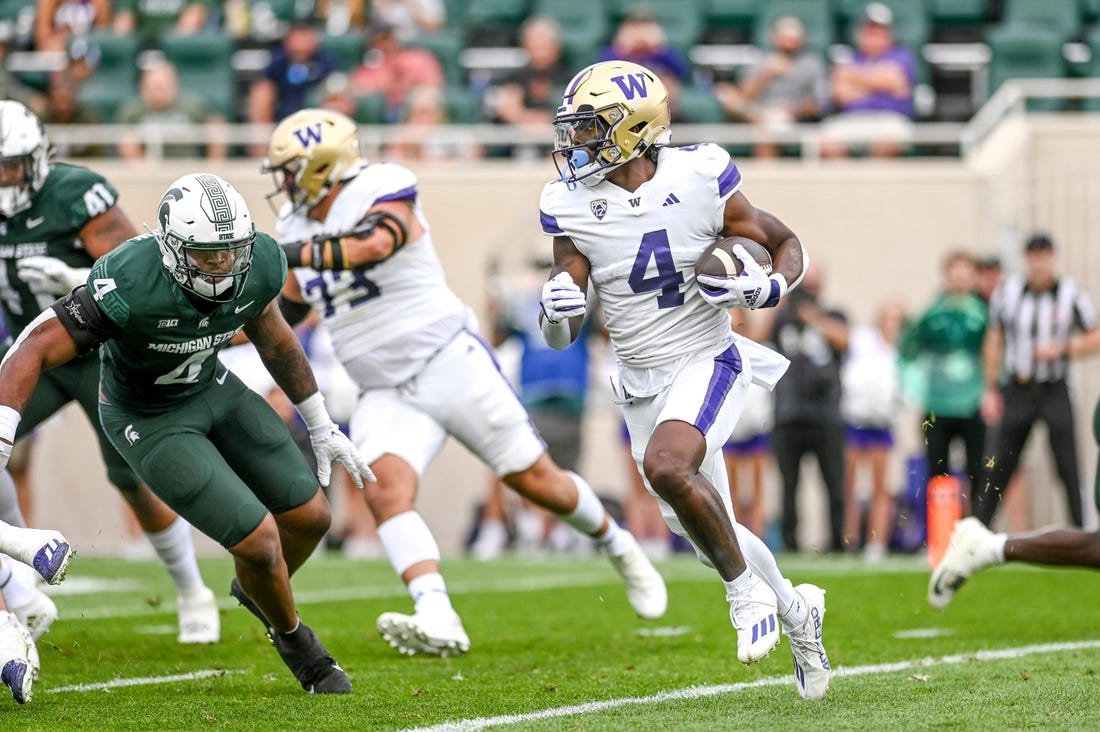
x: 176, y: 551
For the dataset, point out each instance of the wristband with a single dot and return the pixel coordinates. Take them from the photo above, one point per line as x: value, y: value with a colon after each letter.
x: 778, y: 290
x: 9, y: 423
x: 313, y: 412
x: 557, y: 335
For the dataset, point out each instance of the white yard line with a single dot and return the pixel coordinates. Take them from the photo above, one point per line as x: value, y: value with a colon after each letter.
x: 697, y: 692
x: 140, y: 681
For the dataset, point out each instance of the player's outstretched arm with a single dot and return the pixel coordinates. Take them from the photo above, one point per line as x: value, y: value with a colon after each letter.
x: 43, y: 344
x: 384, y: 229
x: 285, y: 360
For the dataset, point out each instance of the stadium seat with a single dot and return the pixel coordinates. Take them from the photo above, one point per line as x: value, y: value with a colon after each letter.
x: 1092, y: 68
x: 698, y: 108
x: 463, y: 108
x: 958, y: 20
x: 816, y: 15
x: 584, y: 25
x: 12, y: 9
x: 1090, y: 10
x: 681, y: 19
x: 726, y: 21
x: 286, y: 10
x: 204, y: 65
x: 347, y: 49
x: 447, y: 46
x: 370, y: 109
x: 1028, y: 53
x: 1062, y: 16
x: 492, y: 22
x: 114, y: 79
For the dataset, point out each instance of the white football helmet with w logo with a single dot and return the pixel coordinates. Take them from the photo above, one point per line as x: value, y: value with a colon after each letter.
x: 611, y: 113
x: 310, y: 151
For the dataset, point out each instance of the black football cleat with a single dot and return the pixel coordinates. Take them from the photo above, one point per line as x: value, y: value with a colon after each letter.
x: 313, y: 666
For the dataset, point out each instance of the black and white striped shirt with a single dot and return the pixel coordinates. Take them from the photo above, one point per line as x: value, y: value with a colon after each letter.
x: 1028, y: 317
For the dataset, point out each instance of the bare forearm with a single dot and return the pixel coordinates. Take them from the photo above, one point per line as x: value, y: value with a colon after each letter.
x: 288, y: 365
x: 991, y: 357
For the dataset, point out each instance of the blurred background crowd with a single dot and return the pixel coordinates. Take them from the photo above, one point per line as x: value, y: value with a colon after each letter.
x: 860, y: 74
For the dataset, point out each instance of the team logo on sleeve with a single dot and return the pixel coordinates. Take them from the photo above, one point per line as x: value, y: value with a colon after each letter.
x: 599, y: 208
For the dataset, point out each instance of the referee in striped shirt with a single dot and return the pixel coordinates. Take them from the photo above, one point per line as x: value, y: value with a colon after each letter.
x: 1037, y: 322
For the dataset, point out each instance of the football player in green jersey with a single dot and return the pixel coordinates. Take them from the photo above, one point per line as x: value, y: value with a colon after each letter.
x: 55, y: 220
x: 161, y: 306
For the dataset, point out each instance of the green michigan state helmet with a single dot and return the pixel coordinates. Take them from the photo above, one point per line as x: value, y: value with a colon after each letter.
x: 205, y: 234
x: 24, y: 157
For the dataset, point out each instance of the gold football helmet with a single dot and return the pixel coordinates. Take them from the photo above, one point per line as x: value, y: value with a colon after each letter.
x: 310, y: 151
x: 611, y: 113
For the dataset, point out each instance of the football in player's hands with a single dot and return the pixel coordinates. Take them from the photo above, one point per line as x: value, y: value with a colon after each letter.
x: 719, y: 259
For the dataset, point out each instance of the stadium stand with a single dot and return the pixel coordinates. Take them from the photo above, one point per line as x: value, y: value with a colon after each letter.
x: 204, y: 64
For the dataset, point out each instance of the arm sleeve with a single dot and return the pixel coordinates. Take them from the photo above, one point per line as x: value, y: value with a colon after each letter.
x: 87, y: 324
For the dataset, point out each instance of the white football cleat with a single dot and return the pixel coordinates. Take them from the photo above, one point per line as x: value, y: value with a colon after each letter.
x: 37, y: 613
x: 972, y: 547
x: 18, y: 669
x: 811, y: 665
x: 753, y: 612
x: 645, y: 588
x: 437, y: 633
x: 45, y: 550
x: 199, y: 621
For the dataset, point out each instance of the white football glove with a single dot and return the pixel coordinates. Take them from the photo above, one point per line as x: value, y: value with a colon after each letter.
x: 752, y: 289
x: 51, y: 275
x: 331, y: 444
x: 561, y: 299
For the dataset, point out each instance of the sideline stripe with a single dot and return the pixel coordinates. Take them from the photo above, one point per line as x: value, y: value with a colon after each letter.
x: 698, y: 692
x: 140, y: 681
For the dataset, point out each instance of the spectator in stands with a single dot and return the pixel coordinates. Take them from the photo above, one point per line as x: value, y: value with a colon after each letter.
x: 56, y: 21
x: 941, y: 355
x: 1038, y: 321
x: 870, y: 401
x: 642, y: 40
x: 807, y: 401
x: 296, y: 68
x: 426, y: 110
x: 788, y: 85
x: 336, y: 94
x: 873, y: 92
x: 10, y: 85
x: 159, y: 106
x: 391, y: 70
x: 64, y: 108
x: 409, y: 18
x: 151, y: 20
x: 530, y: 95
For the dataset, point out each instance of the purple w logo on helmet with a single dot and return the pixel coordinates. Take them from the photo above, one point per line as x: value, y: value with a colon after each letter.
x: 632, y: 84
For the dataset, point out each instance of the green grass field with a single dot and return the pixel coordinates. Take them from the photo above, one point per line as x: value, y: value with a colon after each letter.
x: 555, y: 646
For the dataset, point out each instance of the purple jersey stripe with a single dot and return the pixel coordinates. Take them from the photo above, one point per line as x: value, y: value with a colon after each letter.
x: 727, y: 366
x: 405, y: 194
x: 729, y: 179
x: 549, y: 224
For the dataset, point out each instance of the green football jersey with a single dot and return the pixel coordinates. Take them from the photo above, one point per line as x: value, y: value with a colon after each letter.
x: 70, y: 198
x: 167, y: 350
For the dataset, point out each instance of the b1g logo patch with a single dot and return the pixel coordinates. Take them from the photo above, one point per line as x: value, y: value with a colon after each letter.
x: 599, y: 208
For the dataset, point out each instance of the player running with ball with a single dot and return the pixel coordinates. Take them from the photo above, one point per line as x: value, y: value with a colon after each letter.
x: 633, y: 216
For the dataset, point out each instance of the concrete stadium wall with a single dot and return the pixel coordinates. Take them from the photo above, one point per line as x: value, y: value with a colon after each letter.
x: 880, y: 229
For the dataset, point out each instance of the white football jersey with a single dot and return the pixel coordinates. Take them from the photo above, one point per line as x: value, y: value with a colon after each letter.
x: 642, y: 247
x: 385, y: 319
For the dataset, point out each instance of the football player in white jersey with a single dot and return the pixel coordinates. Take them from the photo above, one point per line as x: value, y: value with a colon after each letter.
x: 632, y: 215
x: 363, y: 257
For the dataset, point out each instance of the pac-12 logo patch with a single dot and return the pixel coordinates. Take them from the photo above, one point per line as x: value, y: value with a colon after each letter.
x: 599, y: 208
